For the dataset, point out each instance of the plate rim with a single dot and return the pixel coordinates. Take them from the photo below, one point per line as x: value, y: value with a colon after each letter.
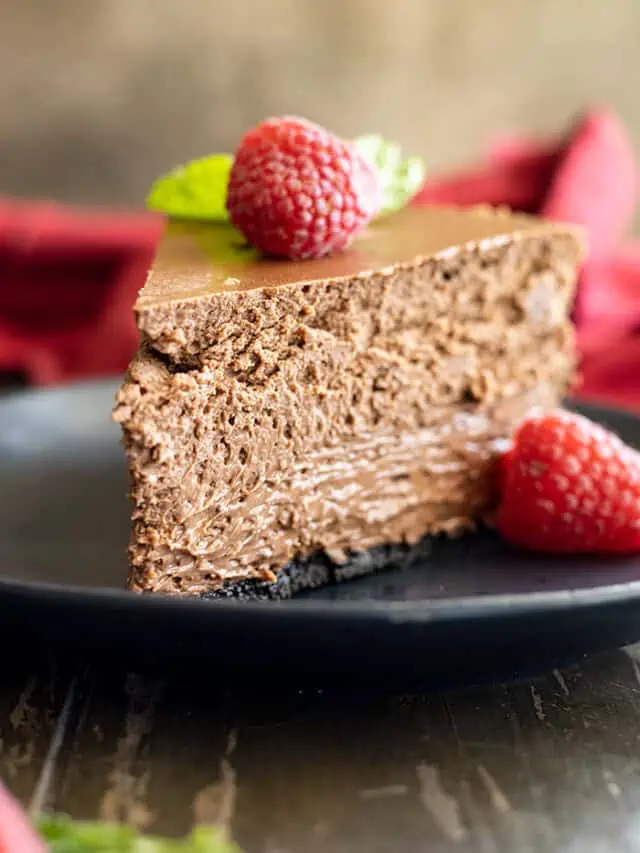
x: 437, y: 610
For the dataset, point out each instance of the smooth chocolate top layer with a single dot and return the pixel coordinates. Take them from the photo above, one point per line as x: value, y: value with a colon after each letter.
x: 205, y: 280
x: 197, y: 260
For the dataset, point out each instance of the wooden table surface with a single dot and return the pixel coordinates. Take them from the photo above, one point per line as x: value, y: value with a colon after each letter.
x: 551, y: 764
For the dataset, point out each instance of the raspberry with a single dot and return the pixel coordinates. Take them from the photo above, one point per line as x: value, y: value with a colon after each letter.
x: 569, y: 485
x: 16, y: 835
x: 298, y: 191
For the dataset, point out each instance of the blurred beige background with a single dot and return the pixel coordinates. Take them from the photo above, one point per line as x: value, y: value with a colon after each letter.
x: 97, y: 97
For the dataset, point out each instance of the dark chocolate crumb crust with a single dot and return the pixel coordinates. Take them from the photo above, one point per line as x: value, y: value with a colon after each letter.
x: 319, y: 570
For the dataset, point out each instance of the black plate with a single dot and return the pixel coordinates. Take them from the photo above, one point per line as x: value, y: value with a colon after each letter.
x: 474, y: 609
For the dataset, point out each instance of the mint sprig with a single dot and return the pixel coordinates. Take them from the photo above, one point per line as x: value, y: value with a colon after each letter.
x: 400, y: 177
x: 196, y: 190
x: 66, y: 836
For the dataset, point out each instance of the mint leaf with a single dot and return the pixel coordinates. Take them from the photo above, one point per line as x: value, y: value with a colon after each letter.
x: 196, y: 190
x: 400, y: 177
x: 66, y: 836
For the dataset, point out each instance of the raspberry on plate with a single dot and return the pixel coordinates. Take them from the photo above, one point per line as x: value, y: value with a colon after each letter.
x: 569, y: 485
x: 298, y: 191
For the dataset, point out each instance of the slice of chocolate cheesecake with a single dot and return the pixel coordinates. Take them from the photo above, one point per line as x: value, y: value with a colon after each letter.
x: 287, y: 423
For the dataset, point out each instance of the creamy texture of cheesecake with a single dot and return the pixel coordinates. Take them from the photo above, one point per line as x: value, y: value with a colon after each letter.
x: 291, y: 423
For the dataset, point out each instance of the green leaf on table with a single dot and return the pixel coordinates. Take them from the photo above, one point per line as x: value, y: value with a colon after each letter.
x: 196, y: 190
x: 401, y: 177
x: 66, y: 836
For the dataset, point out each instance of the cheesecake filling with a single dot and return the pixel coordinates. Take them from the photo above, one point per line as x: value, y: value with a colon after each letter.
x: 380, y: 489
x: 278, y: 411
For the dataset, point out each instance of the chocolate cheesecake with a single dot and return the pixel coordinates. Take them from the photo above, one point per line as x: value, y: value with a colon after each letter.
x: 289, y: 424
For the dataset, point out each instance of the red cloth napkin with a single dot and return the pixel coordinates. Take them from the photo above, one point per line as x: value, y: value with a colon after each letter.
x: 68, y: 278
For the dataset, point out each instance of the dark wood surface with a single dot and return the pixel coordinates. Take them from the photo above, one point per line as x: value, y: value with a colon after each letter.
x: 551, y: 764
